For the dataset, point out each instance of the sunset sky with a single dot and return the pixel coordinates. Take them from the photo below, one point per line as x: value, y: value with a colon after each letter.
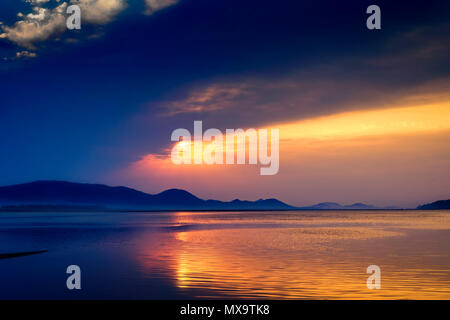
x: 363, y: 115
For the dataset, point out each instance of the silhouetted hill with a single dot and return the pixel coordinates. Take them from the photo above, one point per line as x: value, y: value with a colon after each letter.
x: 337, y: 206
x: 360, y: 206
x: 437, y: 205
x: 39, y: 195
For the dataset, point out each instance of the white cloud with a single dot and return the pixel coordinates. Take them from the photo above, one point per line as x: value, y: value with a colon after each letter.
x: 37, y: 26
x: 100, y: 11
x: 156, y: 5
x: 43, y: 23
x: 25, y: 54
x: 39, y: 15
x: 38, y: 1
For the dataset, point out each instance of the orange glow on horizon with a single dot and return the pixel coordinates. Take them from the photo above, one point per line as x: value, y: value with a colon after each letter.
x: 349, y: 126
x: 396, y: 149
x: 381, y: 122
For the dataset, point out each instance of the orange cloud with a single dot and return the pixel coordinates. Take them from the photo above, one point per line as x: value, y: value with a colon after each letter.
x: 382, y: 122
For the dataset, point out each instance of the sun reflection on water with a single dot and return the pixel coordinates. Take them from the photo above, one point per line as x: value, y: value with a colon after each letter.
x: 297, y: 255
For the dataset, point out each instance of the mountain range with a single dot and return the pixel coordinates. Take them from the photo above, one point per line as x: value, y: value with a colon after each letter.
x: 70, y: 196
x: 67, y: 196
x: 337, y: 206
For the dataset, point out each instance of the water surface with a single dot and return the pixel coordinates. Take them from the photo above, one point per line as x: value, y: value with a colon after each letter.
x: 185, y: 255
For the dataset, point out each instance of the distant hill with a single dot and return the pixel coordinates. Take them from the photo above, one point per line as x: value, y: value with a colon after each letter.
x: 337, y: 206
x: 55, y: 195
x: 437, y: 205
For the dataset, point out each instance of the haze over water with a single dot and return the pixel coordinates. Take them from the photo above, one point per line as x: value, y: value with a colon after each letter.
x: 182, y: 255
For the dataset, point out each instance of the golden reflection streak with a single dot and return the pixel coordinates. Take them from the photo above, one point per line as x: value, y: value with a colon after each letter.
x: 294, y: 262
x: 227, y: 271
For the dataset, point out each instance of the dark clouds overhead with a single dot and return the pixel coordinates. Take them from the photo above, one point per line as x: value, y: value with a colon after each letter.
x: 117, y: 88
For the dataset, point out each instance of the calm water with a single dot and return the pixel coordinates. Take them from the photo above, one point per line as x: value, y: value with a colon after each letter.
x: 281, y: 255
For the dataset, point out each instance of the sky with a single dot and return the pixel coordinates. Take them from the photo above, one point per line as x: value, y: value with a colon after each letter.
x: 363, y: 115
